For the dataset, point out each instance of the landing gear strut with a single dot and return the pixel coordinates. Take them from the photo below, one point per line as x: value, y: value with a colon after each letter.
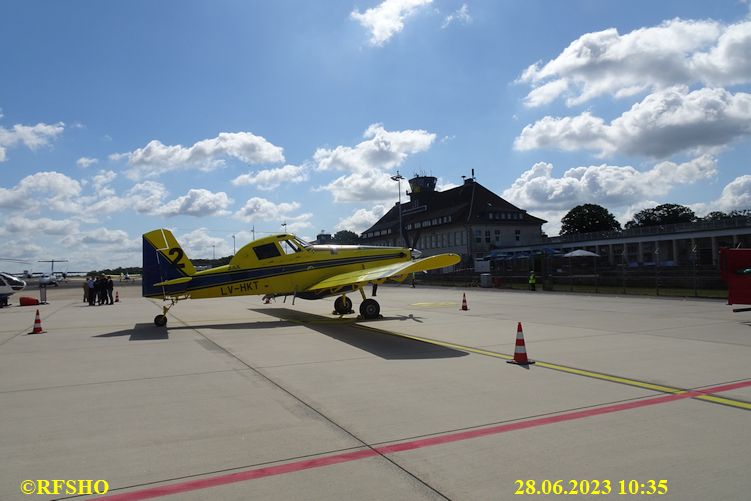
x: 161, y: 320
x: 369, y: 308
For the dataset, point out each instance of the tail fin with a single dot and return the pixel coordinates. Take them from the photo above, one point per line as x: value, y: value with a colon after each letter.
x: 166, y: 268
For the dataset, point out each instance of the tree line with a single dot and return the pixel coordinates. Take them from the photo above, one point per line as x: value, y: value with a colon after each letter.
x: 588, y: 218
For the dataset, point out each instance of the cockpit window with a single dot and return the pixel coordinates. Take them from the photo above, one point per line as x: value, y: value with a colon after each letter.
x: 289, y: 246
x: 302, y: 243
x: 266, y: 251
x: 11, y: 280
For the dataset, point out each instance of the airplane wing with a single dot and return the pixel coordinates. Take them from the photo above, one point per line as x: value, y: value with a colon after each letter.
x: 397, y: 271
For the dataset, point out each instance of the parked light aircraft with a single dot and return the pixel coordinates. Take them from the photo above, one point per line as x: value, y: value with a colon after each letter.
x: 280, y: 265
x: 52, y: 277
x: 9, y: 285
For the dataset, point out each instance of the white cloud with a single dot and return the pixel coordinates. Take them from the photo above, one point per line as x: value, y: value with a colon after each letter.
x: 85, y: 162
x: 664, y: 123
x: 156, y: 158
x: 461, y: 15
x: 369, y: 165
x: 362, y: 219
x: 43, y: 191
x: 270, y: 179
x: 607, y: 185
x: 39, y: 226
x: 260, y: 210
x: 199, y: 244
x: 442, y: 185
x: 197, y: 202
x: 736, y: 195
x: 387, y: 19
x: 99, y: 236
x: 103, y: 179
x: 148, y: 198
x: 677, y: 52
x: 33, y: 137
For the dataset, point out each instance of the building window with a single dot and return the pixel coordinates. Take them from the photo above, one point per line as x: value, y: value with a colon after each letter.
x: 487, y: 236
x: 518, y: 234
x: 478, y: 236
x: 497, y: 236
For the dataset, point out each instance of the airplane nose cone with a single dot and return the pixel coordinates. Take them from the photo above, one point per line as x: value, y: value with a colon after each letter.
x: 415, y: 253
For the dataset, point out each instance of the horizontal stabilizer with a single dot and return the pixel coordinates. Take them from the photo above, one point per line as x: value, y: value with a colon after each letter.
x: 174, y: 281
x: 381, y: 273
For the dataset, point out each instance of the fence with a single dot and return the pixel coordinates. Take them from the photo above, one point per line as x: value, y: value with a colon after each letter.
x: 691, y: 281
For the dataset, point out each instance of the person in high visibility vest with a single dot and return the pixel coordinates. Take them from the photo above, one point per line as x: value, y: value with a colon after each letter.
x: 532, y: 280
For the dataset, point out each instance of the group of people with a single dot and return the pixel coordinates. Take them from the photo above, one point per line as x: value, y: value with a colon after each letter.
x: 98, y: 290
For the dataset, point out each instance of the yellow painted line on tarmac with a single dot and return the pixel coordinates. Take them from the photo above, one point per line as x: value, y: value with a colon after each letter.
x: 571, y: 370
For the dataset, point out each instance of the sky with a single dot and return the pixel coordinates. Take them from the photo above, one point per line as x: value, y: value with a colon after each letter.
x: 241, y: 119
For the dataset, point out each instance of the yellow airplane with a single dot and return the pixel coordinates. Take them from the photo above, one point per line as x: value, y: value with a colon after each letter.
x: 280, y: 265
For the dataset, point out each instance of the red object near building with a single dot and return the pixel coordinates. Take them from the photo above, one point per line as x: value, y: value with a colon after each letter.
x: 735, y: 268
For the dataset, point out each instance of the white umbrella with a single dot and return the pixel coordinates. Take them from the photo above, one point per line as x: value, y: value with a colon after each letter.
x: 581, y: 253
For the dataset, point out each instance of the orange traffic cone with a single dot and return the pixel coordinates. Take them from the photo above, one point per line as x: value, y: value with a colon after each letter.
x: 464, y: 302
x: 520, y: 351
x: 117, y: 297
x: 37, y: 325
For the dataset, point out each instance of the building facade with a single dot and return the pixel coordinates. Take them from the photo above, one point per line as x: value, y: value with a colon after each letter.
x: 468, y: 220
x: 666, y: 245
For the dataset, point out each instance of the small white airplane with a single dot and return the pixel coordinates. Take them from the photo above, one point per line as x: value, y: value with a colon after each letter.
x: 47, y: 279
x: 9, y: 285
x: 51, y: 278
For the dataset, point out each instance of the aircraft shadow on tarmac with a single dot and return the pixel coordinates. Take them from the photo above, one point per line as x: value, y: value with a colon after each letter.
x: 140, y: 332
x: 379, y: 343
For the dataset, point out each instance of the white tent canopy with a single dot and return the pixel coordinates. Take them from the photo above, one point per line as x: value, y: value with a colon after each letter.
x: 581, y: 253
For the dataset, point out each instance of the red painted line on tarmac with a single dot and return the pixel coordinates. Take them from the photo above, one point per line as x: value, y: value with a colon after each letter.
x: 242, y: 476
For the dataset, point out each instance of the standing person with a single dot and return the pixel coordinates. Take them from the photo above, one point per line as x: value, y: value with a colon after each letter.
x: 86, y: 290
x: 532, y: 280
x: 109, y: 285
x: 102, y: 290
x: 91, y: 285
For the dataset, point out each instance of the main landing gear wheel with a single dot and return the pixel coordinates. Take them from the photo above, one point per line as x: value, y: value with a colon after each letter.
x: 343, y: 305
x: 160, y: 320
x: 370, y: 309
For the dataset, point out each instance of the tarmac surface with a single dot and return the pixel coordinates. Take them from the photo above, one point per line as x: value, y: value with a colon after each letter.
x: 238, y: 400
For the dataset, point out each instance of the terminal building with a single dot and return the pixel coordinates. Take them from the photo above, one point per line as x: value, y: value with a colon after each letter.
x: 477, y: 224
x: 665, y: 245
x: 468, y: 220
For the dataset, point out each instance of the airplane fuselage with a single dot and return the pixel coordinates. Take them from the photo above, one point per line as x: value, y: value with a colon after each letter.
x: 281, y: 265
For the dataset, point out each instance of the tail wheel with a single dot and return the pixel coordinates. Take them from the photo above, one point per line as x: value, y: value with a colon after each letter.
x: 160, y: 320
x: 343, y: 305
x: 370, y: 309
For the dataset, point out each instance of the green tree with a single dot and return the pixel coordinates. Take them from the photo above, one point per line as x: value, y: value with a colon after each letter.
x: 588, y: 218
x: 719, y: 215
x: 345, y: 237
x: 715, y: 216
x: 662, y: 214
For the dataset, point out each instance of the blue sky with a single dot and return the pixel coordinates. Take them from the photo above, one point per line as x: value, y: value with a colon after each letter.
x: 213, y: 118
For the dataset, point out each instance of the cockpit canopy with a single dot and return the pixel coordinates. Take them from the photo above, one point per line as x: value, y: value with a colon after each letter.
x: 11, y: 281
